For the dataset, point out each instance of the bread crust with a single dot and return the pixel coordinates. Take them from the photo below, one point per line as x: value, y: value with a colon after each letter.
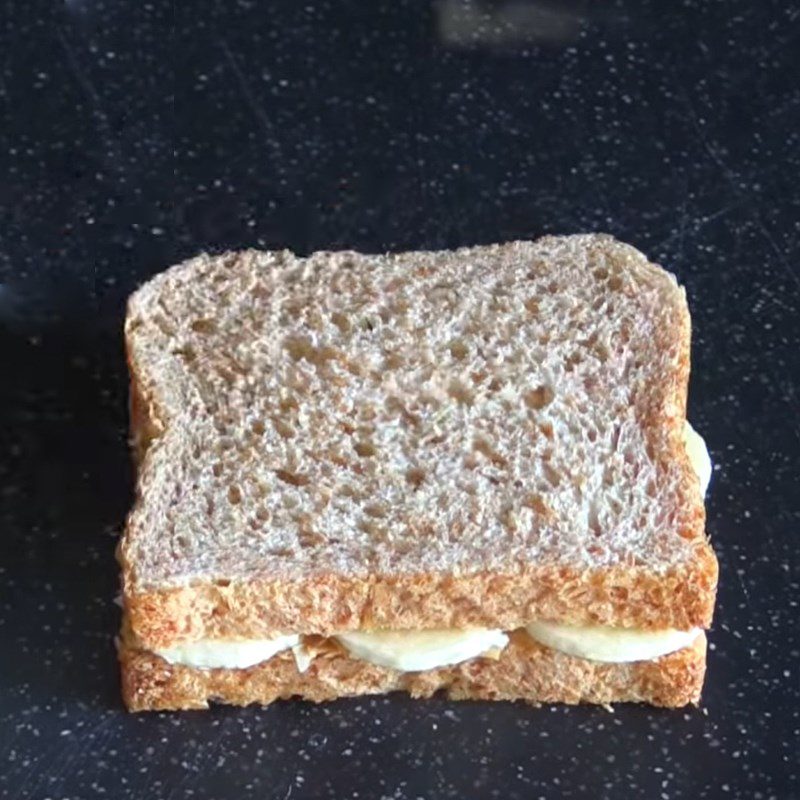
x: 525, y: 671
x: 627, y: 596
x: 332, y: 603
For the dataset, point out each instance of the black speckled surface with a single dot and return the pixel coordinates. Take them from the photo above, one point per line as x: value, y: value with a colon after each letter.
x: 135, y: 134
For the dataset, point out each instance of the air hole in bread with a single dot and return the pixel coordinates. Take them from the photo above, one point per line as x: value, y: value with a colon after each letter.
x: 365, y: 449
x: 258, y: 427
x: 536, y: 503
x: 415, y: 476
x: 495, y: 385
x: 532, y: 306
x: 367, y: 413
x: 572, y: 361
x: 186, y: 352
x: 223, y: 582
x: 460, y: 392
x: 341, y: 322
x: 293, y: 478
x: 297, y: 380
x: 539, y: 397
x: 393, y: 361
x: 536, y: 270
x: 216, y: 469
x: 593, y: 520
x: 551, y: 475
x: 375, y: 529
x: 204, y: 326
x: 234, y: 495
x: 508, y: 519
x: 288, y: 403
x: 164, y: 325
x: 347, y: 427
x: 600, y: 274
x: 547, y: 429
x: 376, y: 510
x: 615, y: 283
x: 283, y: 428
x: 459, y: 349
x: 485, y: 447
x: 307, y: 535
x: 298, y: 347
x: 478, y: 376
x: 324, y: 495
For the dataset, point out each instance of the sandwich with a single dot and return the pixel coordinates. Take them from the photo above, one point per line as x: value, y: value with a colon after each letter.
x: 466, y: 472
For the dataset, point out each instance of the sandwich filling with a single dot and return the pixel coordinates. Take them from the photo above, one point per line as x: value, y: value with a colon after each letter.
x: 227, y: 653
x: 413, y: 651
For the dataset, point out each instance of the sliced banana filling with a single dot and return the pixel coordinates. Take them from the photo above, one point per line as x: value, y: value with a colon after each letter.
x: 226, y: 653
x: 612, y: 645
x: 698, y: 456
x: 416, y: 651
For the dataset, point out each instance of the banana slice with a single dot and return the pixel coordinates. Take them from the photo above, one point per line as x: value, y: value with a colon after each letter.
x: 412, y: 651
x: 604, y: 643
x: 698, y: 456
x: 226, y: 653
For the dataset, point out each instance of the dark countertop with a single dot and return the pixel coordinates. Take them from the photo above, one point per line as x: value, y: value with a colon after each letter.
x: 133, y: 135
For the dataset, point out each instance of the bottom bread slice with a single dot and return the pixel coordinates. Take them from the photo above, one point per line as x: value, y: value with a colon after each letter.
x: 525, y: 670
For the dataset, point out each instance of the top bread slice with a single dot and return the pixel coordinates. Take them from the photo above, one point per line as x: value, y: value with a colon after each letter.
x: 478, y: 437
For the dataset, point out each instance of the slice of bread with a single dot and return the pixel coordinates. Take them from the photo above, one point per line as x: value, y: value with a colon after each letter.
x: 481, y: 437
x: 525, y: 671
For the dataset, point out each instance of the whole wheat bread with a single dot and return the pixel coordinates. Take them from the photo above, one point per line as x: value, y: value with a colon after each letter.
x: 480, y: 437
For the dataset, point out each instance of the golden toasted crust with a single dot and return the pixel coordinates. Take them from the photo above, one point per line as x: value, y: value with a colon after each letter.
x: 525, y: 670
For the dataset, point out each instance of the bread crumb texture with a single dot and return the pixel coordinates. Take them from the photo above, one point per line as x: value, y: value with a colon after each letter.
x: 333, y: 440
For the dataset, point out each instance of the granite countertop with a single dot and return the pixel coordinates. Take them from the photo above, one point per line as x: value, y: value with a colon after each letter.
x: 133, y: 135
